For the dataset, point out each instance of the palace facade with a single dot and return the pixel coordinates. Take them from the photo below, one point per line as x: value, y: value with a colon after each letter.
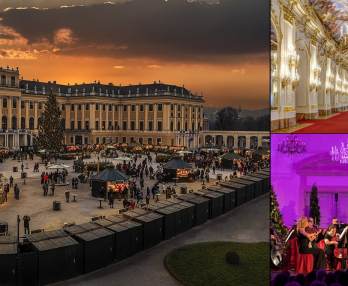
x: 156, y: 114
x: 309, y: 61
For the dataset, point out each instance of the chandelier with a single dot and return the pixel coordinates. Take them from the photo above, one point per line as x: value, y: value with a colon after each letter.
x: 292, y: 146
x: 340, y: 154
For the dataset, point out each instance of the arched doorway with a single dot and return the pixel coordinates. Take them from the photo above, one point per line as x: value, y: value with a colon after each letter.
x: 230, y: 142
x: 209, y: 140
x: 219, y: 140
x: 253, y: 142
x: 241, y: 142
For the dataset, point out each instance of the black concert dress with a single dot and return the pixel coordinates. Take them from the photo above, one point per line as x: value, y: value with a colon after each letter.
x: 329, y: 250
x: 318, y: 254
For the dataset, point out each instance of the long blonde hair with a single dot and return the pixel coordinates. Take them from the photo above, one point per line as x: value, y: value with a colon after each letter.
x: 302, y: 223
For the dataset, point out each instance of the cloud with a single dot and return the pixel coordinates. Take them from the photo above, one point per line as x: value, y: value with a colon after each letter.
x: 153, y: 66
x: 63, y: 36
x: 175, y: 30
x: 118, y: 67
x: 13, y: 54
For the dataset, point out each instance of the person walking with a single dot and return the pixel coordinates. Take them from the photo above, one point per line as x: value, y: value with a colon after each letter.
x: 53, y: 186
x: 11, y: 182
x: 16, y: 192
x: 26, y: 221
x: 147, y: 200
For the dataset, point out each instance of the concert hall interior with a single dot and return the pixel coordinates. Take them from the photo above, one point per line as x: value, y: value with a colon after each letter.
x: 315, y: 165
x: 311, y: 185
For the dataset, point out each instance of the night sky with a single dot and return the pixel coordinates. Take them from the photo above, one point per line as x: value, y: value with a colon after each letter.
x: 218, y: 48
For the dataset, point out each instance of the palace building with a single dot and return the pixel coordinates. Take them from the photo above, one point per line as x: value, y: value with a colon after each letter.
x: 309, y: 65
x: 156, y: 114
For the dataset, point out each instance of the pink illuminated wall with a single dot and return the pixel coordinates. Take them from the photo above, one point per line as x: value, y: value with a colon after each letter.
x: 293, y: 177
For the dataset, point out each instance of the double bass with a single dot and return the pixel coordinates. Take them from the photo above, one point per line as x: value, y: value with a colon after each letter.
x: 340, y: 251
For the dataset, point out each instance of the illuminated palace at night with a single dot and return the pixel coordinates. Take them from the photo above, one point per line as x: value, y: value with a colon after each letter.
x: 157, y: 113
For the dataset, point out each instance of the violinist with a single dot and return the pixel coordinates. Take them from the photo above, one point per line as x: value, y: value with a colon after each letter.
x: 306, y: 245
x: 313, y: 229
x: 331, y: 243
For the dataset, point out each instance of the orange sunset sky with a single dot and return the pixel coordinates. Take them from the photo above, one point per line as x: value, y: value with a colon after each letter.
x: 217, y: 48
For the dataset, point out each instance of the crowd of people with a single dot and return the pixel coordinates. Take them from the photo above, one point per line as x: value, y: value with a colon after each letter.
x: 315, y: 278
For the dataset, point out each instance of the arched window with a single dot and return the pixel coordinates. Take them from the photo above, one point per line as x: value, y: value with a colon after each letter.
x: 22, y: 123
x: 4, y: 122
x: 14, y: 122
x: 31, y: 123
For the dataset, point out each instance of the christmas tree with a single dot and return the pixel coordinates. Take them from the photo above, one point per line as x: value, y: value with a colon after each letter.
x: 50, y: 135
x: 276, y: 216
x: 314, y: 208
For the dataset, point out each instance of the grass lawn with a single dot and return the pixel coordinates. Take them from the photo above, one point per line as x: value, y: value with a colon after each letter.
x: 203, y: 264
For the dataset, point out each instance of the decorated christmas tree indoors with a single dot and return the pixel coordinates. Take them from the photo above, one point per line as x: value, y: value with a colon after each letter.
x: 314, y: 208
x: 276, y: 216
x: 50, y: 135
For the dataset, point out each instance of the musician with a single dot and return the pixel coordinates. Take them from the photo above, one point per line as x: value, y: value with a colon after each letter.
x: 313, y: 229
x: 306, y: 246
x: 330, y: 244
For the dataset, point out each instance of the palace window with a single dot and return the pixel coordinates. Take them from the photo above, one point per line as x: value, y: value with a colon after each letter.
x: 72, y: 125
x: 4, y: 122
x: 132, y: 125
x: 103, y: 125
x: 110, y: 125
x: 159, y: 125
x: 22, y: 123
x: 150, y: 125
x: 79, y: 125
x: 40, y: 105
x: 159, y: 107
x: 14, y: 103
x: 133, y: 107
x: 79, y: 106
x: 87, y: 125
x: 124, y: 107
x: 150, y: 107
x: 124, y: 125
x: 159, y: 141
x: 141, y: 125
x: 3, y: 80
x: 22, y: 104
x: 72, y: 107
x: 96, y: 106
x: 110, y: 107
x: 31, y: 105
x: 97, y: 125
x: 141, y: 107
x: 171, y: 126
x: 87, y: 106
x: 13, y: 81
x: 31, y: 123
x: 4, y: 103
x: 14, y: 122
x: 103, y: 107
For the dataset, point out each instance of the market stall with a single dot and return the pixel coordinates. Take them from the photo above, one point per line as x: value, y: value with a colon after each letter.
x: 177, y: 169
x: 228, y: 159
x: 109, y: 179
